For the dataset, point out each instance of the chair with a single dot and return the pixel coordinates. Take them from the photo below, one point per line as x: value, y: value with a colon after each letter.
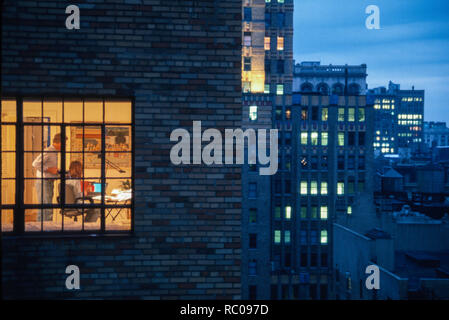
x: 71, y: 199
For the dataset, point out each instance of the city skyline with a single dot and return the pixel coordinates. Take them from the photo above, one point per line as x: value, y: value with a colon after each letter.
x: 410, y: 48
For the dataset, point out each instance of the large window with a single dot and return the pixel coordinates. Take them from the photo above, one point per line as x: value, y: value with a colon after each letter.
x: 71, y: 169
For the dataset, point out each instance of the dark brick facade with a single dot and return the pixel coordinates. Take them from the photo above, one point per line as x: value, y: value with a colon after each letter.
x: 179, y: 61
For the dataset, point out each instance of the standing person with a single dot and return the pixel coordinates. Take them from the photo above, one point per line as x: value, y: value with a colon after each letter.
x: 46, y: 165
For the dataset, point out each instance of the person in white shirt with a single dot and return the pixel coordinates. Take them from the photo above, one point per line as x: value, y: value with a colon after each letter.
x: 46, y: 165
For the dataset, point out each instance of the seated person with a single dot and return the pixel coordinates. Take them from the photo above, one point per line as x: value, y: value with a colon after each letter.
x: 74, y: 178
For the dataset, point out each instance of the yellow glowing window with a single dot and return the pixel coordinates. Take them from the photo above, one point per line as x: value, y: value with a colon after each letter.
x: 351, y: 114
x: 303, y: 138
x: 341, y: 114
x: 314, y: 188
x: 349, y: 211
x: 266, y: 88
x: 267, y: 41
x: 341, y: 139
x: 280, y: 89
x: 314, y: 138
x: 323, y: 213
x: 253, y: 113
x: 287, y: 236
x: 324, y: 114
x: 288, y: 212
x: 340, y: 188
x: 323, y: 187
x: 361, y: 114
x: 277, y: 236
x: 323, y: 236
x: 280, y: 46
x: 324, y: 138
x: 304, y: 187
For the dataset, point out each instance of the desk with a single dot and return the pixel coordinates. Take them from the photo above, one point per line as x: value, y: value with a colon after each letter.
x: 116, y: 197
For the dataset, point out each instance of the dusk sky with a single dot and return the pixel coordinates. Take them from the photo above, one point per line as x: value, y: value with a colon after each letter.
x: 411, y: 48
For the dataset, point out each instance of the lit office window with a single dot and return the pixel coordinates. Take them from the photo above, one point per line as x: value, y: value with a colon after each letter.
x: 266, y: 88
x: 267, y: 42
x: 314, y: 138
x: 304, y: 138
x: 280, y: 89
x: 89, y: 139
x: 323, y: 187
x: 253, y: 113
x: 340, y: 188
x: 288, y: 212
x: 351, y: 114
x: 341, y: 139
x: 246, y: 86
x: 303, y: 188
x: 287, y: 236
x: 341, y: 114
x: 324, y: 114
x: 267, y: 1
x: 324, y: 138
x: 247, y: 39
x: 277, y: 236
x: 280, y: 43
x: 313, y: 188
x: 280, y: 1
x: 349, y: 211
x: 323, y: 213
x: 361, y: 114
x: 323, y: 236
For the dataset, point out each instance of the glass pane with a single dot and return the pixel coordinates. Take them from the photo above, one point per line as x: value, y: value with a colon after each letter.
x: 118, y: 138
x: 93, y: 111
x: 8, y: 138
x: 92, y: 139
x: 118, y: 111
x: 45, y: 191
x: 118, y: 164
x: 36, y: 137
x: 8, y: 164
x: 7, y: 220
x: 118, y: 219
x: 52, y: 111
x: 8, y: 191
x: 42, y: 164
x: 118, y: 192
x: 73, y: 111
x: 74, y: 138
x: 32, y: 221
x: 32, y: 111
x: 9, y: 110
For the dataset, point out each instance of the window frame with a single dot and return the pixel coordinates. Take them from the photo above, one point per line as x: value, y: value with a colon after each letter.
x: 20, y: 206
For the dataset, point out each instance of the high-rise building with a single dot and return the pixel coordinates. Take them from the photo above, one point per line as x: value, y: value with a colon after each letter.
x: 267, y: 69
x: 399, y: 116
x: 436, y: 134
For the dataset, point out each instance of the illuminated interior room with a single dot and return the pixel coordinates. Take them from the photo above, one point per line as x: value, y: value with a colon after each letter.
x: 77, y: 164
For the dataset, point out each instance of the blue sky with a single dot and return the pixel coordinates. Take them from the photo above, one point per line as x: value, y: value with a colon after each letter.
x: 411, y: 48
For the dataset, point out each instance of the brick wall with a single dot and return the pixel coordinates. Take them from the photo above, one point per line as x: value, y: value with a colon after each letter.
x: 180, y: 61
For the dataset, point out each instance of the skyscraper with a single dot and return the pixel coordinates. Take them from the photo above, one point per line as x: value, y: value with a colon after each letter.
x: 267, y: 68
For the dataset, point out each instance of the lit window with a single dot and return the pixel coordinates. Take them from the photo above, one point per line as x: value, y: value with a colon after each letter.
x: 266, y: 88
x: 277, y: 236
x: 349, y: 211
x: 304, y: 187
x: 314, y: 138
x: 323, y: 213
x: 303, y: 138
x: 324, y: 114
x: 287, y: 236
x: 323, y: 236
x: 288, y: 212
x: 341, y: 139
x: 95, y: 170
x: 313, y: 187
x: 247, y: 39
x: 324, y: 138
x: 280, y: 89
x: 277, y: 212
x: 253, y: 113
x: 280, y: 43
x: 246, y: 63
x: 323, y: 187
x: 246, y: 86
x: 340, y: 188
x: 341, y: 114
x: 280, y: 1
x: 351, y: 114
x: 267, y: 41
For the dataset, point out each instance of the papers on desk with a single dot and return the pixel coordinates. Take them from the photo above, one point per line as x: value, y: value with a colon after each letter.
x: 116, y: 196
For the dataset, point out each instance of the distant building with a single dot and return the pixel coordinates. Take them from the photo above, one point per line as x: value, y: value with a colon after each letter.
x: 399, y: 116
x: 436, y: 134
x: 312, y: 77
